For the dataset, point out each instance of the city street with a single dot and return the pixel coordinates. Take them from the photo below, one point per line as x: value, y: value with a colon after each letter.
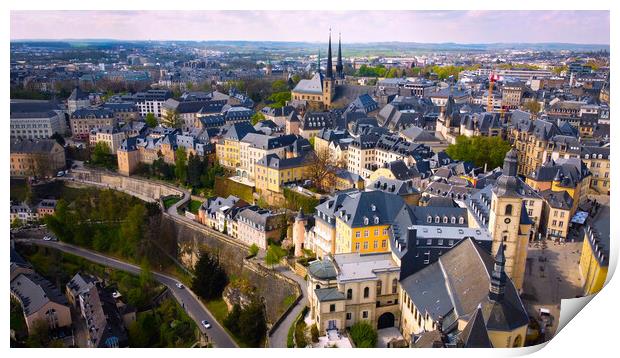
x: 186, y: 298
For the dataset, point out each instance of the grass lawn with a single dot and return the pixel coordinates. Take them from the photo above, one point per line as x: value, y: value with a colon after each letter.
x: 168, y: 202
x: 194, y: 205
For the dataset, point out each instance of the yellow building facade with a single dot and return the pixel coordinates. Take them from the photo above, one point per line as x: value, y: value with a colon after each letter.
x: 594, y: 261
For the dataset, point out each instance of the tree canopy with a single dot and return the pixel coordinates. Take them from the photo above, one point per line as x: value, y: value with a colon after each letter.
x: 479, y: 150
x: 210, y: 279
x: 150, y: 120
x: 363, y: 335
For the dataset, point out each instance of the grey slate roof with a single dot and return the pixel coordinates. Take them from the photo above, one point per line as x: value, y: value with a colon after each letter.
x: 311, y: 86
x: 32, y: 145
x: 322, y: 269
x: 34, y: 292
x: 328, y: 294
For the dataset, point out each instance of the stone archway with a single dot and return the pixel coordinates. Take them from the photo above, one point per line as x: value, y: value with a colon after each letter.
x: 386, y: 320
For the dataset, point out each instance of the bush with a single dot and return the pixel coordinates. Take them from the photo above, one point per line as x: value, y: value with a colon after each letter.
x: 363, y: 335
x: 300, y: 334
x: 253, y: 250
x: 314, y: 332
x: 294, y: 201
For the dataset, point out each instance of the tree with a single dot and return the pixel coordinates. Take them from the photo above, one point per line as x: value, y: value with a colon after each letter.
x: 150, y: 120
x: 208, y: 179
x: 257, y: 117
x: 363, y: 335
x: 231, y: 322
x: 194, y: 170
x: 101, y: 156
x: 39, y: 334
x: 296, y: 79
x: 172, y: 119
x: 279, y: 99
x: 532, y: 106
x: 479, y: 150
x: 314, y: 332
x: 180, y: 165
x: 322, y: 168
x: 252, y: 323
x: 274, y: 255
x: 279, y: 86
x: 210, y: 278
x: 253, y: 250
x: 146, y: 276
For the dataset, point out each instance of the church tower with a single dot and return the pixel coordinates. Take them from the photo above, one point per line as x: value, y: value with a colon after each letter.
x: 505, y: 220
x: 329, y: 90
x: 339, y: 66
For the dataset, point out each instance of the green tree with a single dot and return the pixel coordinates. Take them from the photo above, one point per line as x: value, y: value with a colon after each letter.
x: 146, y: 276
x: 253, y: 250
x: 101, y: 156
x: 279, y: 86
x: 274, y: 255
x: 150, y: 120
x: 363, y: 335
x: 296, y: 79
x: 532, y: 106
x: 252, y: 323
x: 210, y: 278
x: 257, y: 117
x: 279, y: 99
x: 194, y: 170
x: 172, y: 119
x: 231, y: 322
x: 479, y: 150
x: 314, y: 332
x: 180, y: 165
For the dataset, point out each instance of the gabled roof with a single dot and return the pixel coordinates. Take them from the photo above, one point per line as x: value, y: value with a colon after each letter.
x: 475, y: 334
x: 311, y: 86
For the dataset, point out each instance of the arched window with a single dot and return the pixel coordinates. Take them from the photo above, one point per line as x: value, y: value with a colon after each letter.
x: 445, y: 219
x: 379, y: 287
x: 461, y: 220
x: 349, y: 294
x: 429, y: 219
x: 365, y: 221
x: 376, y: 220
x: 366, y: 292
x: 453, y: 220
x: 508, y: 210
x: 437, y: 219
x: 394, y: 285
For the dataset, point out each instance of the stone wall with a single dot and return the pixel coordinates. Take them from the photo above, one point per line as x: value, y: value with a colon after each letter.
x: 273, y: 287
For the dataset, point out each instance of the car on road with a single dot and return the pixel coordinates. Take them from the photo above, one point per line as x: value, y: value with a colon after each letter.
x: 47, y: 238
x: 180, y: 285
x: 206, y: 324
x: 60, y: 174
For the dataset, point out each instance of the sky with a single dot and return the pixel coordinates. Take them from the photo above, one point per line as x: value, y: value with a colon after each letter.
x: 580, y: 27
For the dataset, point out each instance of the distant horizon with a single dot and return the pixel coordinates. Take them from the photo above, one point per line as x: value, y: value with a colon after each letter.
x: 307, y: 42
x: 582, y: 27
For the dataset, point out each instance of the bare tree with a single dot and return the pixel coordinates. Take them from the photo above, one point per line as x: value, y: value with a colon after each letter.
x: 323, y: 168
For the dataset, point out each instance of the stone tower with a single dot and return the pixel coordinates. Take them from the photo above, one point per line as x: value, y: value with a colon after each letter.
x: 299, y: 233
x: 505, y: 220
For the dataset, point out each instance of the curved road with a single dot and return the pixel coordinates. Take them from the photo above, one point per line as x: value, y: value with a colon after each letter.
x: 192, y: 305
x: 279, y: 336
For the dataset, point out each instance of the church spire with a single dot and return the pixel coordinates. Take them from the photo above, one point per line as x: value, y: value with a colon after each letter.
x: 329, y: 71
x: 498, y: 276
x: 339, y: 66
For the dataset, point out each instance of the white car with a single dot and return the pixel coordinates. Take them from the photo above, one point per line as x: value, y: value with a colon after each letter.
x: 180, y: 285
x: 47, y: 238
x: 206, y: 324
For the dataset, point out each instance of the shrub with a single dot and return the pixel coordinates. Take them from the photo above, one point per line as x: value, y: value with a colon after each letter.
x: 363, y: 335
x: 314, y: 332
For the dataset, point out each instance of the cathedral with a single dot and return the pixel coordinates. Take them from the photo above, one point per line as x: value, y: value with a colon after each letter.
x: 319, y: 91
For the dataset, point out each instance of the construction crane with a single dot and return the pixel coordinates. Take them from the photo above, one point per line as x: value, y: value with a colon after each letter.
x: 492, y: 78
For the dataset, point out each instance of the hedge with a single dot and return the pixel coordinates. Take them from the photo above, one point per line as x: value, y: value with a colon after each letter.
x: 294, y: 201
x: 225, y: 187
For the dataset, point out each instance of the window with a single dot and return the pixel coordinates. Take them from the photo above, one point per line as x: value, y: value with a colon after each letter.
x: 461, y: 220
x: 364, y: 314
x: 453, y: 220
x: 437, y: 219
x: 394, y: 285
x: 332, y: 308
x: 445, y: 219
x: 349, y: 316
x: 365, y: 233
x: 508, y: 210
x: 429, y: 219
x: 375, y: 244
x: 365, y: 221
x: 366, y: 292
x: 376, y: 232
x: 349, y: 294
x: 384, y: 244
x: 555, y: 222
x: 429, y: 241
x: 357, y: 246
x: 365, y: 245
x: 379, y: 287
x: 358, y: 234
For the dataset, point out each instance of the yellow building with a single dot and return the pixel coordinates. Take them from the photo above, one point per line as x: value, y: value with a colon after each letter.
x: 557, y: 214
x: 354, y: 287
x: 41, y: 157
x: 530, y: 138
x: 272, y: 172
x: 597, y: 161
x: 363, y: 221
x: 594, y: 259
x: 450, y: 295
x: 228, y: 147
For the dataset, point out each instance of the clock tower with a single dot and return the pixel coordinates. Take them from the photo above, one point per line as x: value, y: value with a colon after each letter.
x: 505, y: 220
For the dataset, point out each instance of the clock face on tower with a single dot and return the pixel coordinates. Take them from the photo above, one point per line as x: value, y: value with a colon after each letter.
x: 507, y: 220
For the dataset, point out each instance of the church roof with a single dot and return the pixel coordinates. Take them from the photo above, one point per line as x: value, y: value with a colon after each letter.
x: 311, y: 86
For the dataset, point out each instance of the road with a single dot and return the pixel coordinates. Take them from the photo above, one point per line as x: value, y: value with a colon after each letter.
x: 191, y: 304
x: 279, y: 336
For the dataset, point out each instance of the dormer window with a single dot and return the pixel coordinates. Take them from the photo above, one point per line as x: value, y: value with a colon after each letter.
x: 445, y: 219
x: 437, y: 219
x: 376, y: 220
x: 365, y: 221
x: 453, y: 220
x: 461, y: 220
x: 429, y: 219
x: 373, y: 207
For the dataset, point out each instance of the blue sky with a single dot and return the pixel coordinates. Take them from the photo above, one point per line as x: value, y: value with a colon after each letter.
x: 584, y: 27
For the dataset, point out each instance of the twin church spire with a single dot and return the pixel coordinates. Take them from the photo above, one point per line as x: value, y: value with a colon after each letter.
x: 339, y: 67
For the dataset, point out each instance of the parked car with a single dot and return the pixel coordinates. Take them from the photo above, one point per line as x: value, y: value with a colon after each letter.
x: 47, y: 238
x: 206, y: 324
x: 60, y: 174
x: 180, y: 285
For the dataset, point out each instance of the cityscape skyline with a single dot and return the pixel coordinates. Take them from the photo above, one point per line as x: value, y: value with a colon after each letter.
x: 461, y: 27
